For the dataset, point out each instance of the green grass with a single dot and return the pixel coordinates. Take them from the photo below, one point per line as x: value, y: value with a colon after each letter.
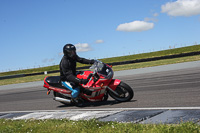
x: 25, y: 79
x: 28, y: 71
x: 156, y: 63
x: 115, y: 68
x: 188, y: 49
x: 109, y: 60
x: 114, y: 59
x: 91, y: 126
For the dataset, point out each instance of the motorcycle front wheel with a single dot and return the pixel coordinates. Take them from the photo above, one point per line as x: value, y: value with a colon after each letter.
x: 124, y: 91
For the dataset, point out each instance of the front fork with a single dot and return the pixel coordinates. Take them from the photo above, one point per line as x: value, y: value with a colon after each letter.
x: 113, y: 85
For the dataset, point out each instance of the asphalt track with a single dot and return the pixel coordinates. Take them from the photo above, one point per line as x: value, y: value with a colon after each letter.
x: 164, y: 87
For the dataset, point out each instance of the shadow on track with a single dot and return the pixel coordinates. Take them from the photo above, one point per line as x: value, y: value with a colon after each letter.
x: 95, y: 104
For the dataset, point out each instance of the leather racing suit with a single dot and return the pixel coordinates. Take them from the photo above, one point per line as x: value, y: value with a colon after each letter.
x: 68, y: 73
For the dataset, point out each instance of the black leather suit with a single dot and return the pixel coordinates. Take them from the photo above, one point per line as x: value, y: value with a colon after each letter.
x: 68, y: 68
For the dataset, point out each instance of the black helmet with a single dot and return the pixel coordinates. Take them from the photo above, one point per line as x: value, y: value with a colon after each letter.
x: 69, y: 50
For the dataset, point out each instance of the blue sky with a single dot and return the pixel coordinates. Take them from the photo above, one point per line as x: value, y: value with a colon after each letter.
x: 33, y: 32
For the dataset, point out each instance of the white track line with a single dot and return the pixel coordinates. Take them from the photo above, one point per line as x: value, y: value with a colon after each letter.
x: 109, y: 109
x: 71, y: 115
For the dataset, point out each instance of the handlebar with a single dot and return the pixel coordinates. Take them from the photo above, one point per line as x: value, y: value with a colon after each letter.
x: 88, y: 78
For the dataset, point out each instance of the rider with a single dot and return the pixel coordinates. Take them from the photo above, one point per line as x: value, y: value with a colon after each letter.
x: 68, y: 69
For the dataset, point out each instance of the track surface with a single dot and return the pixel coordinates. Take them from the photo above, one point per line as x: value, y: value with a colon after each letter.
x: 172, y: 88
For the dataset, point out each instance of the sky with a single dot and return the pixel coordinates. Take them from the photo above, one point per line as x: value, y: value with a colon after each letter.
x: 33, y: 32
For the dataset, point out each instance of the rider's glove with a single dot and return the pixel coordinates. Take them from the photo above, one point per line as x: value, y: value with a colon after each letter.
x: 84, y: 81
x: 93, y: 61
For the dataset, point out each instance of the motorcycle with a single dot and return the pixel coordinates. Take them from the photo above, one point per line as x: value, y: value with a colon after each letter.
x: 100, y: 85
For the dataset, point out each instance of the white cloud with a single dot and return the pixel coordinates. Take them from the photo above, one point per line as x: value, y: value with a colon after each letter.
x: 60, y: 54
x: 48, y: 60
x: 135, y: 26
x: 151, y: 19
x: 182, y: 8
x: 99, y: 41
x: 155, y: 14
x: 82, y: 47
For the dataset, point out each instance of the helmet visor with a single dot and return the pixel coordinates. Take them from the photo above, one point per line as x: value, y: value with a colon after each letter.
x: 71, y: 53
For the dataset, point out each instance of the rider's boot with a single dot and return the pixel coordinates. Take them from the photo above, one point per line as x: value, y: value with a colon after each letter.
x: 75, y: 91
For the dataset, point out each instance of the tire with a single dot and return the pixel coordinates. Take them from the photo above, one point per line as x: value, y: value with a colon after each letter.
x: 125, y: 91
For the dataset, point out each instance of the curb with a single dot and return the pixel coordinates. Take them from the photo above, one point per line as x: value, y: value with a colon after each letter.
x: 171, y: 115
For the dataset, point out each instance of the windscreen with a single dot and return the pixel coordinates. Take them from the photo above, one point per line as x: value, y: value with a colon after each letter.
x: 102, y: 69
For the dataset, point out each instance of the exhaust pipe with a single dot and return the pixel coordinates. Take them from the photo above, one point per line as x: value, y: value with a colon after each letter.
x: 59, y: 99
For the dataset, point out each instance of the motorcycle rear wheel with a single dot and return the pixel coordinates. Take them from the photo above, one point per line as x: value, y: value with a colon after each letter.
x: 125, y: 93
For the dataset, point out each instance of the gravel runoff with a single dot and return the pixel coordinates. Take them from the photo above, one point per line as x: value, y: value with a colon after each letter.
x: 161, y: 68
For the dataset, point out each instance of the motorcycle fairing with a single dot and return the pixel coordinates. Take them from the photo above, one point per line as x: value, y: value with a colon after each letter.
x: 95, y: 93
x: 114, y: 83
x: 91, y: 94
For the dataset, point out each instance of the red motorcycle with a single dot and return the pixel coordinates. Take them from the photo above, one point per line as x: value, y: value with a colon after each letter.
x: 100, y: 85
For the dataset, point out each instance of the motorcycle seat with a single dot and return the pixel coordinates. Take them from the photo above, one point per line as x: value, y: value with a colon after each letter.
x: 53, y: 80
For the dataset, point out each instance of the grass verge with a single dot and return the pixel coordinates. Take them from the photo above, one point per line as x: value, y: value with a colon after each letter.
x: 174, y: 51
x: 115, y: 68
x: 91, y: 126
